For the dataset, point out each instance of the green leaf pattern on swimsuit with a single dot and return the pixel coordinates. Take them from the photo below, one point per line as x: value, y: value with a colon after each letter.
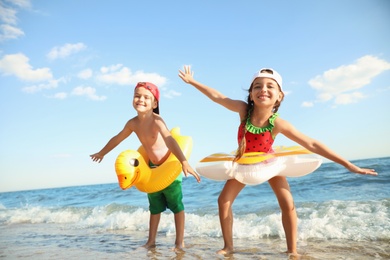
x: 258, y: 130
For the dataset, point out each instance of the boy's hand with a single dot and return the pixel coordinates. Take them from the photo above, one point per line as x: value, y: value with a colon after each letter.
x: 96, y: 157
x: 187, y: 169
x: 187, y: 75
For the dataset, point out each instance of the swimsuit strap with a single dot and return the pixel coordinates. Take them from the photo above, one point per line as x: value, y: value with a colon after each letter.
x: 152, y: 165
x: 258, y: 130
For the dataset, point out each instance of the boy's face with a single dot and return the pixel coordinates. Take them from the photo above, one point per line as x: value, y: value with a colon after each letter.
x: 143, y: 100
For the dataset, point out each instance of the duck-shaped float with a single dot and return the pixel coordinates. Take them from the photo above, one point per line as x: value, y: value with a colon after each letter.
x: 132, y: 167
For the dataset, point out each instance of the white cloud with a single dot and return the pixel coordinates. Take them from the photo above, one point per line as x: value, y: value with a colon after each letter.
x: 307, y: 104
x: 21, y: 3
x: 65, y: 50
x: 8, y: 32
x: 324, y: 96
x: 18, y: 65
x: 8, y: 17
x: 117, y: 74
x: 60, y: 95
x: 85, y: 74
x: 89, y: 92
x: 110, y: 68
x: 50, y: 84
x: 348, y: 98
x: 171, y: 94
x: 337, y: 84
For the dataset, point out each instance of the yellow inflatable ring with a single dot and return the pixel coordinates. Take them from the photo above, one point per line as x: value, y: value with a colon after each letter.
x: 132, y: 167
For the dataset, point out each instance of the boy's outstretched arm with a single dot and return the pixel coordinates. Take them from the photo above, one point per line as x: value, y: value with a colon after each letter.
x: 98, y: 157
x: 174, y: 147
x: 112, y: 143
x: 188, y: 169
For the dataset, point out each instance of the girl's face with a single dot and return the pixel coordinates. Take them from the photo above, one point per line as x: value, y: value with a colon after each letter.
x: 265, y: 91
x: 143, y: 100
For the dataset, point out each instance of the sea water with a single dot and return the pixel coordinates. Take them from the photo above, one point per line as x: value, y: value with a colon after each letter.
x: 341, y: 215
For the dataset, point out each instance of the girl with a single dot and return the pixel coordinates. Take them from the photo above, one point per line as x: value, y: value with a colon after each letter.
x: 259, y: 118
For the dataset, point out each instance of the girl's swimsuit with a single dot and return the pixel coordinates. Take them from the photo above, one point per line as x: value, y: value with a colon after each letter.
x: 258, y: 139
x: 171, y: 197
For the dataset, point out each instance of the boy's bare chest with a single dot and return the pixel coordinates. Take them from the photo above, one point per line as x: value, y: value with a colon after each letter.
x: 149, y: 136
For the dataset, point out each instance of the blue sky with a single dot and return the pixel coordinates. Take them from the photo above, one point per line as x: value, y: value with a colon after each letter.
x: 68, y: 69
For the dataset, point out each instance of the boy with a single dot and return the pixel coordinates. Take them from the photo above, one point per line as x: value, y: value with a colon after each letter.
x: 158, y: 142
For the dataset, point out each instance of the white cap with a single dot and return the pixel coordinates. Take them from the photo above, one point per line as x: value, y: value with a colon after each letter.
x: 275, y: 76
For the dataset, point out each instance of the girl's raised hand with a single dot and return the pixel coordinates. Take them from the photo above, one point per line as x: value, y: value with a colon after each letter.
x: 187, y: 75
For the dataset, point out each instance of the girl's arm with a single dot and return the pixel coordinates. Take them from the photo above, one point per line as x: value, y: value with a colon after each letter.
x: 216, y: 96
x: 317, y: 147
x: 174, y: 147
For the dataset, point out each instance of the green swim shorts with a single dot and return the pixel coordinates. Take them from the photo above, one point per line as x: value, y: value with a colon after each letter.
x: 171, y: 197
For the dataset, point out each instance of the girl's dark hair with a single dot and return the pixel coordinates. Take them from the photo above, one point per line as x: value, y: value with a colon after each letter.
x: 249, y: 108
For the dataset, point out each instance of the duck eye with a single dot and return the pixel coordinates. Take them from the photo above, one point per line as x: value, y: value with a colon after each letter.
x: 134, y: 162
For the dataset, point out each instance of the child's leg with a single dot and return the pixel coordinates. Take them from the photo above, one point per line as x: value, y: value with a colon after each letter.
x: 179, y: 224
x: 153, y: 226
x: 174, y: 198
x: 225, y: 202
x: 289, y: 215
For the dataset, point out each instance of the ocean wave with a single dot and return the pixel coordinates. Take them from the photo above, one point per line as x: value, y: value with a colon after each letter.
x: 352, y: 220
